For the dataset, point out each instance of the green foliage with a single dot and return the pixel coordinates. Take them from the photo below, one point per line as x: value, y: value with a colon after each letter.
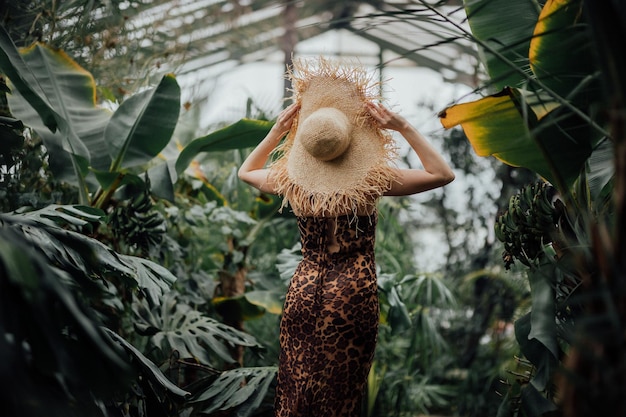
x: 89, y: 138
x: 48, y: 274
x: 501, y: 28
x: 174, y: 326
x: 206, y: 229
x: 163, y: 335
x: 558, y: 108
x: 97, y: 35
x: 538, y: 124
x: 226, y: 393
x: 90, y: 279
x: 242, y: 134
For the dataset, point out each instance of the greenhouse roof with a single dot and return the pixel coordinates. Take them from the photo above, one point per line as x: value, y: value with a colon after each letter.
x: 218, y: 34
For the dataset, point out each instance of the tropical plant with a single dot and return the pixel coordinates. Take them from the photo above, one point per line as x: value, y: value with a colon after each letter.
x: 217, y: 231
x: 89, y: 146
x: 53, y: 277
x: 551, y: 116
x: 146, y: 321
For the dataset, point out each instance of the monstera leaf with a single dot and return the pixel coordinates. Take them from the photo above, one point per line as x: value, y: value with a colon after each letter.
x: 189, y: 332
x: 91, y: 259
x: 147, y: 366
x: 49, y: 336
x: 239, y: 391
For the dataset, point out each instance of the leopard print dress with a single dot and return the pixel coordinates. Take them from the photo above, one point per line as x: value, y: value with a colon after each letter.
x: 329, y: 326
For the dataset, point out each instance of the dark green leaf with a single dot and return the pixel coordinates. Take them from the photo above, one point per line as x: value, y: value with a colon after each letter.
x: 12, y: 64
x: 543, y: 313
x: 64, y: 338
x: 148, y: 367
x: 245, y: 133
x: 190, y: 332
x: 143, y: 125
x: 71, y: 92
x: 162, y: 181
x: 65, y: 215
x: 506, y: 27
x: 560, y: 53
x: 536, y: 352
x: 535, y: 404
x: 240, y: 390
x: 601, y: 169
x: 152, y: 278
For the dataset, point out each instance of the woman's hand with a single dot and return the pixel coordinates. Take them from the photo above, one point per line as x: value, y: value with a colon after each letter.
x: 386, y: 118
x: 285, y: 119
x: 252, y: 170
x: 436, y: 172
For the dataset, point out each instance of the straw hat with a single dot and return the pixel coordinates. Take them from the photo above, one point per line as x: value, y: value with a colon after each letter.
x: 335, y: 159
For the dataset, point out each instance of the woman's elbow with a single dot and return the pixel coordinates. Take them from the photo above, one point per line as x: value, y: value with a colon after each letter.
x: 243, y: 174
x: 447, y: 177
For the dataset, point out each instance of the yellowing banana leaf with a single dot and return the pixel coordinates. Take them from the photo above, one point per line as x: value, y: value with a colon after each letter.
x: 503, y: 126
x: 560, y: 53
x: 494, y: 126
x: 238, y: 308
x: 71, y: 93
x: 269, y: 300
x: 14, y: 67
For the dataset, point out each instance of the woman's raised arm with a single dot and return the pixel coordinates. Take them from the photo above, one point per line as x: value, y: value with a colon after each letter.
x: 436, y: 172
x: 253, y: 169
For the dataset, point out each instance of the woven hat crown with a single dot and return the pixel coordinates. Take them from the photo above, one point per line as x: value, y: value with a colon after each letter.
x: 325, y: 134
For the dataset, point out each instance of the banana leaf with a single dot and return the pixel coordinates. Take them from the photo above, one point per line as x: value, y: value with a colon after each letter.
x: 560, y: 52
x: 162, y: 182
x: 245, y: 133
x: 71, y: 93
x: 14, y: 67
x: 504, y: 29
x: 143, y: 125
x: 536, y: 352
x: 503, y: 125
x: 543, y: 325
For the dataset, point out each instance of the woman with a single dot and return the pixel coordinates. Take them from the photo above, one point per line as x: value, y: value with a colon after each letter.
x: 335, y: 162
